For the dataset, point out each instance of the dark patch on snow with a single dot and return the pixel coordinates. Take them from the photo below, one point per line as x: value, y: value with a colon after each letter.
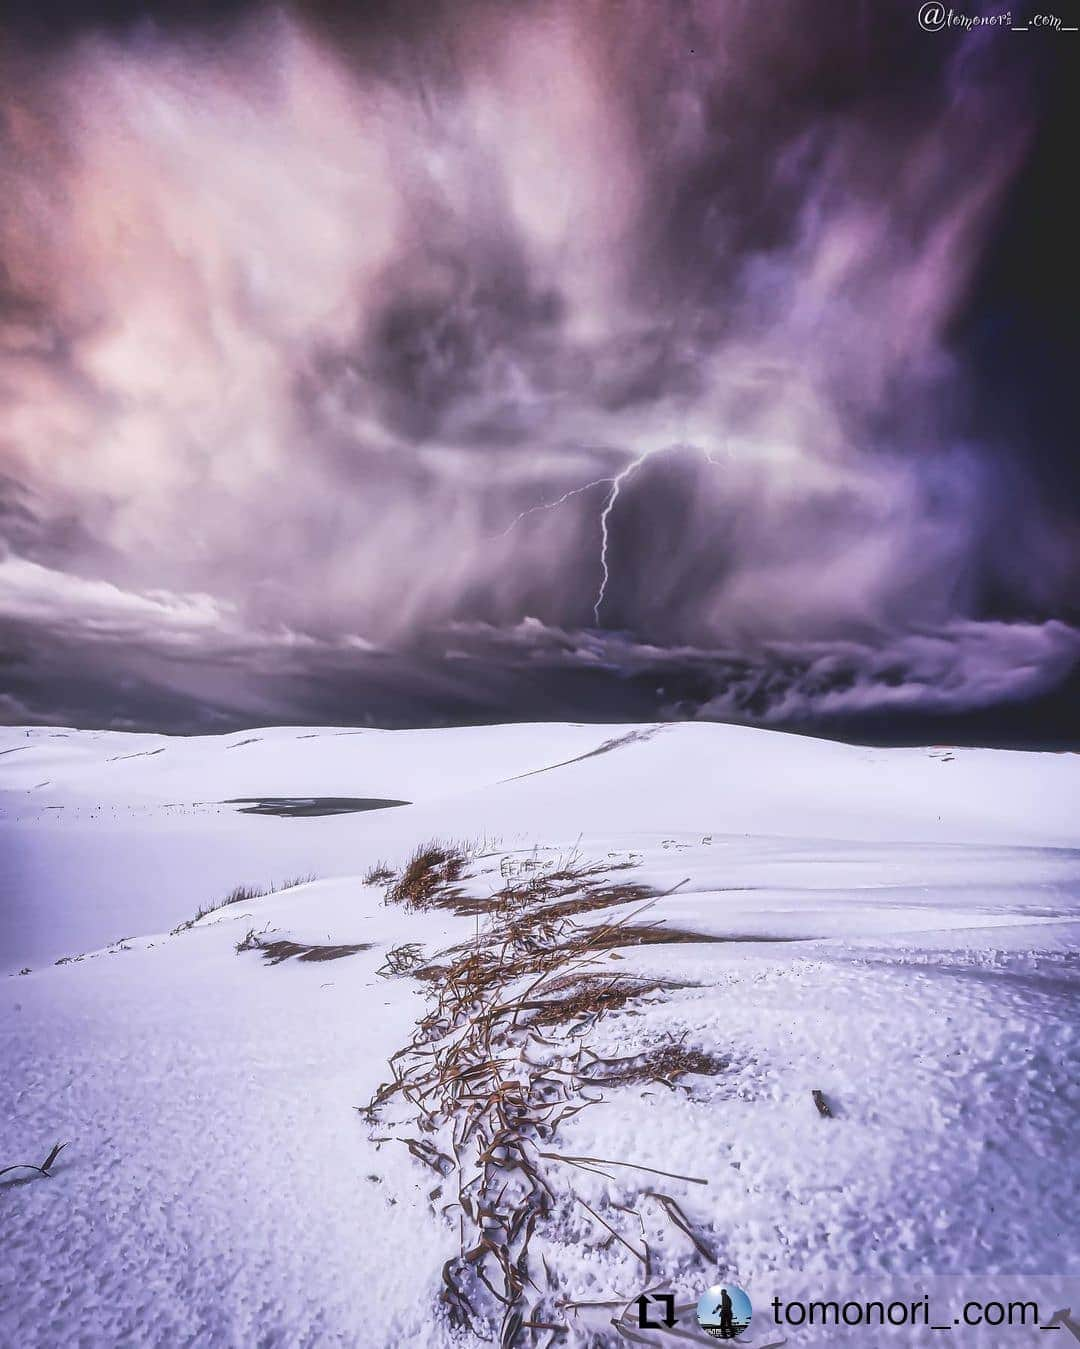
x: 292, y: 807
x: 274, y: 952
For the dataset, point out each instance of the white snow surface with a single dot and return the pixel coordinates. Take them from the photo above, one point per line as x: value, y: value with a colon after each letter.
x: 899, y: 930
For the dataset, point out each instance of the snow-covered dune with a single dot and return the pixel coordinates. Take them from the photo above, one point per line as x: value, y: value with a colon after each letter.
x: 896, y: 928
x: 107, y: 835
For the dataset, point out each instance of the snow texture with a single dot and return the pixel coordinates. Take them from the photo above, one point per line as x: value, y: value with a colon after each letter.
x: 894, y: 928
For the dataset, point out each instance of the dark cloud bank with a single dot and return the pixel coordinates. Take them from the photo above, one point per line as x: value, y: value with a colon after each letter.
x: 489, y: 361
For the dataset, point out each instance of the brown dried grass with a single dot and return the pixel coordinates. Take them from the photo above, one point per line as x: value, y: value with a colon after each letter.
x: 498, y: 1062
x: 429, y: 876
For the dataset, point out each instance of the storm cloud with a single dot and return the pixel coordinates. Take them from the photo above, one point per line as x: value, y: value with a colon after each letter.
x: 345, y: 365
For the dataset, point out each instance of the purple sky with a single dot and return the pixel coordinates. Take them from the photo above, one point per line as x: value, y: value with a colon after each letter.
x: 495, y: 360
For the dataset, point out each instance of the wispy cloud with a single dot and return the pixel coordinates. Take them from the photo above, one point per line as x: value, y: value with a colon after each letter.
x: 299, y: 329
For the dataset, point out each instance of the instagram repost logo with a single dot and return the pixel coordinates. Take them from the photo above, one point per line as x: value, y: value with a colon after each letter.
x: 932, y: 16
x: 724, y: 1311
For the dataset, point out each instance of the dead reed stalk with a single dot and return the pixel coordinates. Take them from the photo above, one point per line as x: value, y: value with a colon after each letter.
x: 498, y: 1062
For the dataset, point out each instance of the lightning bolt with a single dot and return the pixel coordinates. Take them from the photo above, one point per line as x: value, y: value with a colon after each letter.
x: 609, y: 506
x: 550, y: 505
x: 615, y: 485
x: 605, y: 516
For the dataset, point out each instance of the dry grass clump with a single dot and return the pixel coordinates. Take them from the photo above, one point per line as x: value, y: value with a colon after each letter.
x: 650, y: 934
x: 402, y: 959
x: 539, y: 900
x: 240, y: 894
x: 497, y: 1063
x: 379, y: 874
x: 667, y: 1063
x: 575, y: 997
x: 598, y: 897
x: 429, y: 876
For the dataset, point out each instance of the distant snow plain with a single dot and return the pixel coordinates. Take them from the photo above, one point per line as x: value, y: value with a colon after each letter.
x: 896, y: 928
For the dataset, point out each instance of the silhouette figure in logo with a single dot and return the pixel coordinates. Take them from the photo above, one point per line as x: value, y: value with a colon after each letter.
x: 727, y: 1329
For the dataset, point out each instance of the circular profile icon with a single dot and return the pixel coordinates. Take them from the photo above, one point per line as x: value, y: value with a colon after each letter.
x: 724, y: 1311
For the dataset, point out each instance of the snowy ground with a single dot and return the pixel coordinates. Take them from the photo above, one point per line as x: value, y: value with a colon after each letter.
x: 900, y: 931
